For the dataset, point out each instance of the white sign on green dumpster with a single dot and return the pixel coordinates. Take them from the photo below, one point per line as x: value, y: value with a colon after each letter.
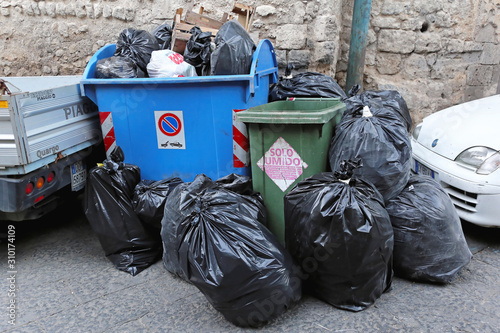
x: 282, y: 164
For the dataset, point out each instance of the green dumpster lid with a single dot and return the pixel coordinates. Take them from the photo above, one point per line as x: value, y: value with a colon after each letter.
x: 296, y: 111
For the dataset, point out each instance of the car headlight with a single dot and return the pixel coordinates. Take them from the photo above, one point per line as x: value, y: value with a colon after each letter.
x: 416, y: 131
x: 491, y: 164
x: 485, y: 159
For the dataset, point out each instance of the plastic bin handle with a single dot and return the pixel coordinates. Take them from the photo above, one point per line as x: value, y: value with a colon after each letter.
x: 263, y: 63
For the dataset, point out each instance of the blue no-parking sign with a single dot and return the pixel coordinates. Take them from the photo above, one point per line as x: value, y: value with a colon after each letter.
x: 170, y: 130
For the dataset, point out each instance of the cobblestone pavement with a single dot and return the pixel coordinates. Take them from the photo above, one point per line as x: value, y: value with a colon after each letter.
x: 64, y: 283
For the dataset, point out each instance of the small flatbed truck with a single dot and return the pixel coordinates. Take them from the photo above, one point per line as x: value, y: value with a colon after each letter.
x: 49, y: 135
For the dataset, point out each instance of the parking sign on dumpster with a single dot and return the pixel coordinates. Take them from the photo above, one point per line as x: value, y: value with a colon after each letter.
x: 170, y: 130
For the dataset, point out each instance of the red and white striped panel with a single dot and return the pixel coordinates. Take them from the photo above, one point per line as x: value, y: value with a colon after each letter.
x: 108, y: 132
x: 241, y: 146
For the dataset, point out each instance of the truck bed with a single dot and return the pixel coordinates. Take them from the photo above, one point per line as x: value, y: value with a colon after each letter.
x: 42, y: 119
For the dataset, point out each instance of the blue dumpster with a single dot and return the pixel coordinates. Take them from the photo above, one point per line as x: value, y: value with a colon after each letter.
x: 181, y: 126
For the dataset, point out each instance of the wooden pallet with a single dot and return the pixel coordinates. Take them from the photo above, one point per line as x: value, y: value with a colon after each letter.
x: 181, y: 34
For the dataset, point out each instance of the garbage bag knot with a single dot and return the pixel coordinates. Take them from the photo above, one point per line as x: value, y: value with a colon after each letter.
x: 346, y: 169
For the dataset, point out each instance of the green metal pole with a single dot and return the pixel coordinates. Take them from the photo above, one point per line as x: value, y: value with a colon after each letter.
x: 357, y: 48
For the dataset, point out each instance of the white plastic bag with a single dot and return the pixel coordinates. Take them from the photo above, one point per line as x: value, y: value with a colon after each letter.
x: 167, y: 63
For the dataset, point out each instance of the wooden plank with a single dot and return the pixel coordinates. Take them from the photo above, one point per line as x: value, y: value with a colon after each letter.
x: 179, y: 41
x: 182, y: 35
x: 179, y: 46
x: 187, y: 27
x: 183, y: 26
x: 242, y: 21
x: 241, y: 9
x: 178, y: 14
x: 245, y: 14
x: 202, y: 21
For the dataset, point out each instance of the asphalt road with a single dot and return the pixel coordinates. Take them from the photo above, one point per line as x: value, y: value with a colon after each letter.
x: 64, y: 283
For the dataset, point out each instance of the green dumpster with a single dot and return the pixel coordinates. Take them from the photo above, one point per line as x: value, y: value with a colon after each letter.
x: 289, y: 142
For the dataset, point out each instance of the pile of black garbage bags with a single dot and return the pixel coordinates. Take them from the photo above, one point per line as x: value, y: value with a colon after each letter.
x: 352, y: 228
x: 347, y: 231
x: 212, y: 234
x: 141, y: 54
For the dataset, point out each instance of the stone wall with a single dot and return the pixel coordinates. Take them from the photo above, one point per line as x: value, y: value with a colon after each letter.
x: 435, y: 53
x: 304, y: 33
x: 57, y: 37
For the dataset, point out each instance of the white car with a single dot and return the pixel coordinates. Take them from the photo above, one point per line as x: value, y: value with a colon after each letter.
x: 460, y: 147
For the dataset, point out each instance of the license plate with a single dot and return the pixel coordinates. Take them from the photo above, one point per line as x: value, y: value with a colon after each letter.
x: 423, y: 170
x: 78, y: 176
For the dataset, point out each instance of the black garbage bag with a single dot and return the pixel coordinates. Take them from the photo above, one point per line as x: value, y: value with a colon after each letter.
x: 353, y: 91
x: 388, y: 99
x: 129, y: 175
x: 340, y: 234
x: 137, y: 45
x: 215, y: 238
x: 374, y: 134
x: 126, y: 242
x: 307, y: 84
x: 236, y: 183
x: 198, y: 51
x: 429, y: 244
x: 149, y: 199
x: 163, y: 34
x: 117, y: 67
x: 233, y: 51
